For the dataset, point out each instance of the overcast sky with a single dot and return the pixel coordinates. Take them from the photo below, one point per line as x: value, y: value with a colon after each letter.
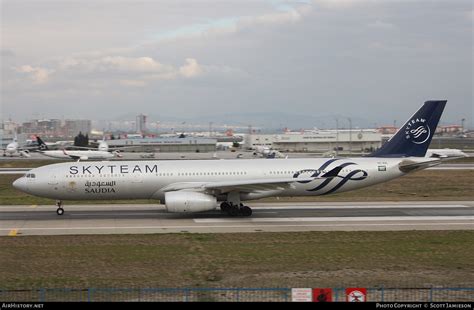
x: 373, y: 61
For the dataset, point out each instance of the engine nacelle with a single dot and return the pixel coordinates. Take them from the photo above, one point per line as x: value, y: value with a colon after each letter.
x: 185, y: 201
x: 25, y: 153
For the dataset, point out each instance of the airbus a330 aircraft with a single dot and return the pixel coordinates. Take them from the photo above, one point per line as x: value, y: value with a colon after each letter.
x: 198, y: 185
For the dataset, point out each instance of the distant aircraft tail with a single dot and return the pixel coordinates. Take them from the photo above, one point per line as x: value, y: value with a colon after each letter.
x: 414, y: 137
x: 41, y: 144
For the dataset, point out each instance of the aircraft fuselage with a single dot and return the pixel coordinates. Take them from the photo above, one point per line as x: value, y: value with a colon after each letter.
x: 146, y: 179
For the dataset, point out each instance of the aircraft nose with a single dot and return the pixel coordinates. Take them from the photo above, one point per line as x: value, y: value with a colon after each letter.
x: 20, y: 184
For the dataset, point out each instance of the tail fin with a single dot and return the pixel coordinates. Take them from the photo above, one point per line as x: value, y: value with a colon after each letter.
x: 414, y: 137
x: 41, y: 144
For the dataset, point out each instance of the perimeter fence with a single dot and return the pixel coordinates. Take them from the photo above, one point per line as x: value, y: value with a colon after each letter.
x: 379, y: 294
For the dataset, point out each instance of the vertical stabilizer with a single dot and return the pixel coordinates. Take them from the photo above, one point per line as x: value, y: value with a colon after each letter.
x: 414, y: 137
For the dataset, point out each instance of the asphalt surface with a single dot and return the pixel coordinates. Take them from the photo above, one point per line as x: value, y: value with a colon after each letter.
x: 267, y: 217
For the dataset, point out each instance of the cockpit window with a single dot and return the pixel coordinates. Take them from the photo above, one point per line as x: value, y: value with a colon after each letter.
x: 30, y: 175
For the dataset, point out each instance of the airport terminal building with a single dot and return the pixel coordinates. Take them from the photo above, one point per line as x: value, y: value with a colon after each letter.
x: 166, y: 144
x: 357, y: 140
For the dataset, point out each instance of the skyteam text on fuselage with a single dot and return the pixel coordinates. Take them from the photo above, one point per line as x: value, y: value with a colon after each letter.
x: 199, y: 185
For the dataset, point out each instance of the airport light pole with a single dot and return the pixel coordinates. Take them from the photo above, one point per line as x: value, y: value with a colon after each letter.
x: 337, y: 136
x: 350, y: 135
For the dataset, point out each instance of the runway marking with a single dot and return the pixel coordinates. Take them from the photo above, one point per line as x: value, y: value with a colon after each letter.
x: 337, y: 219
x: 386, y: 206
x: 13, y: 233
x: 276, y: 206
x: 240, y: 226
x: 107, y: 214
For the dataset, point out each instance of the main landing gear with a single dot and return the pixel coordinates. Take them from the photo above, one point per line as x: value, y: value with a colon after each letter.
x: 60, y: 210
x: 235, y: 210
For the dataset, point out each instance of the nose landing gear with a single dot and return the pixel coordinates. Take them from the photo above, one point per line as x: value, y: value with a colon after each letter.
x: 60, y: 210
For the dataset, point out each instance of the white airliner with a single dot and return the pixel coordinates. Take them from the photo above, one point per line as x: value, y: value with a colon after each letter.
x: 102, y: 152
x: 266, y: 152
x: 198, y: 185
x: 14, y: 149
x: 445, y: 153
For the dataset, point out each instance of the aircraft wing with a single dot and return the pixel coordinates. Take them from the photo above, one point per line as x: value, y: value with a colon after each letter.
x: 75, y: 157
x: 73, y: 147
x: 118, y: 148
x: 245, y: 186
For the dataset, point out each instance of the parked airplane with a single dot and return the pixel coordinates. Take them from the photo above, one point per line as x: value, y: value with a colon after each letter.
x: 266, y: 152
x: 14, y: 149
x: 198, y: 185
x: 101, y: 153
x: 445, y: 153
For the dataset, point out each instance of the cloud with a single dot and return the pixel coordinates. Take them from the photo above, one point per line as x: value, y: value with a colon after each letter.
x: 133, y: 83
x: 4, y: 52
x: 37, y: 74
x: 287, y: 16
x: 341, y: 4
x: 126, y: 71
x: 230, y: 25
x: 113, y: 64
x: 378, y: 24
x: 132, y: 66
x: 128, y: 64
x: 191, y: 68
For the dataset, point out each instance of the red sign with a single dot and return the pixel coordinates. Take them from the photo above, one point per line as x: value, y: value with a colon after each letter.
x: 356, y: 294
x: 322, y: 294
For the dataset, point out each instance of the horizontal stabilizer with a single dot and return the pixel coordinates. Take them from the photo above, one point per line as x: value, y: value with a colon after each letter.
x: 411, y: 165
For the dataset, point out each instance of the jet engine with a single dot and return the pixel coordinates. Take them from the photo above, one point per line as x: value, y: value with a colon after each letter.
x: 25, y: 153
x: 186, y: 201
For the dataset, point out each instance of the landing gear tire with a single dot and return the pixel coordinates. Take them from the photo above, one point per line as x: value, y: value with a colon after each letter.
x: 246, y: 211
x: 236, y: 210
x: 60, y: 210
x: 225, y: 207
x: 233, y: 211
